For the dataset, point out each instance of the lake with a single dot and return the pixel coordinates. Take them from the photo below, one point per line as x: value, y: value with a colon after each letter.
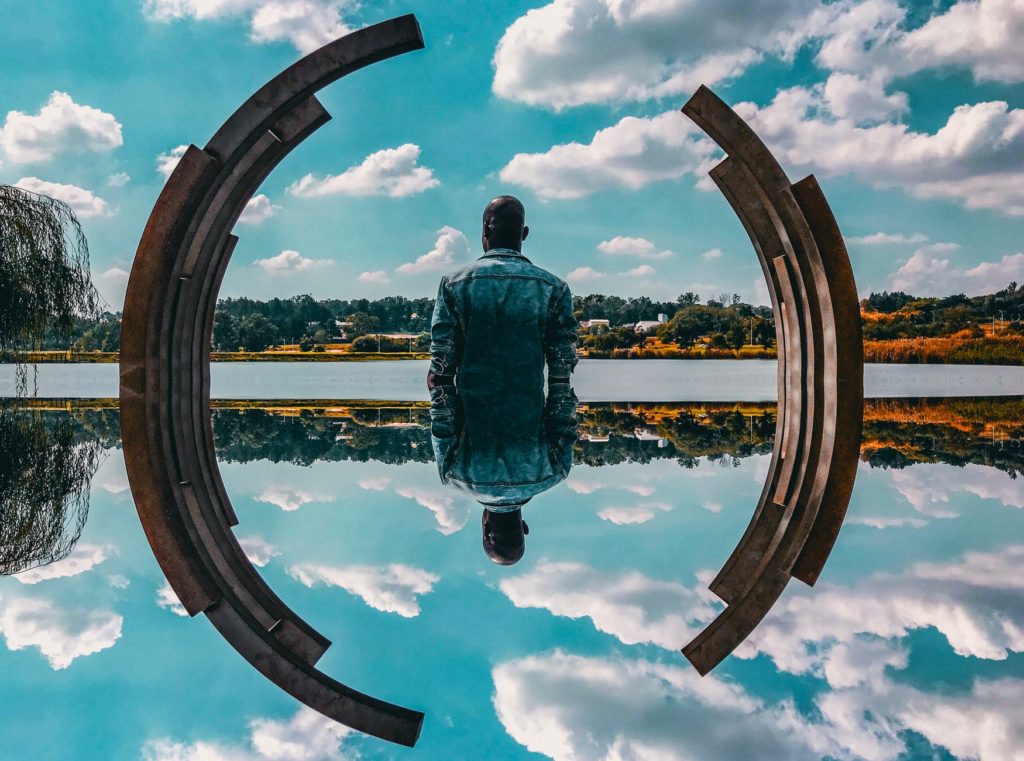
x: 595, y: 380
x: 910, y: 645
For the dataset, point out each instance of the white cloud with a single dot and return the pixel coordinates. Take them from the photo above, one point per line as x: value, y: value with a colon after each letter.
x: 374, y: 484
x: 712, y: 507
x: 449, y: 516
x: 644, y: 270
x: 84, y: 557
x: 166, y: 162
x: 258, y: 550
x: 307, y: 736
x: 61, y: 126
x: 575, y: 708
x: 627, y: 246
x: 630, y: 154
x: 118, y: 581
x: 112, y: 284
x: 451, y: 246
x: 976, y: 158
x: 585, y: 275
x: 859, y: 99
x: 83, y: 202
x: 60, y: 634
x: 289, y: 261
x: 258, y: 210
x: 289, y: 499
x: 631, y: 607
x: 926, y: 486
x: 118, y: 180
x: 306, y: 24
x: 886, y: 239
x: 925, y: 274
x: 393, y: 588
x: 168, y: 600
x: 390, y: 172
x: 376, y: 276
x: 558, y: 55
x: 633, y: 514
x: 711, y: 254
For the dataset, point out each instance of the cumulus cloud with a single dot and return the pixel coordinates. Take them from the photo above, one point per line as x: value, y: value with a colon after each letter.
x: 289, y: 261
x: 632, y: 514
x: 451, y: 246
x: 61, y: 126
x: 631, y: 607
x: 929, y: 487
x: 711, y: 254
x: 585, y: 275
x: 392, y: 172
x: 630, y: 154
x: 886, y: 239
x: 60, y: 634
x: 258, y: 210
x: 644, y: 270
x: 622, y: 245
x: 450, y: 517
x: 118, y: 179
x: 927, y: 273
x: 84, y: 557
x: 166, y: 162
x: 289, y: 499
x: 83, y: 202
x: 393, y: 588
x: 112, y: 284
x: 258, y: 550
x: 306, y: 24
x: 307, y: 736
x: 168, y: 600
x: 557, y: 55
x: 374, y: 484
x: 571, y: 708
x: 376, y: 276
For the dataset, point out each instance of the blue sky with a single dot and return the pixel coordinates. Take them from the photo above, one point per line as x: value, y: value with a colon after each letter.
x: 910, y: 114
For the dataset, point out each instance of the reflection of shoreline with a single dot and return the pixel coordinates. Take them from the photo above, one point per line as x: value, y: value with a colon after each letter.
x: 897, y: 432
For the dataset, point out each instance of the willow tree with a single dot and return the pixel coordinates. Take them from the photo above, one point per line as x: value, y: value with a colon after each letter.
x: 44, y: 272
x: 44, y: 470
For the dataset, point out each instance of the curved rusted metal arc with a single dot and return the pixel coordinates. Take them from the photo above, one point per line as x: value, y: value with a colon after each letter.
x: 814, y: 300
x: 165, y: 380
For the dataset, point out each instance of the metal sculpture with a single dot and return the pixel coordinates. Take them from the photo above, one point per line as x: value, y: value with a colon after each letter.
x: 165, y: 380
x: 820, y: 380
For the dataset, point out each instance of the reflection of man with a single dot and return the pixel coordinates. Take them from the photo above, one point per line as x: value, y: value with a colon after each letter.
x: 503, y: 453
x: 496, y: 322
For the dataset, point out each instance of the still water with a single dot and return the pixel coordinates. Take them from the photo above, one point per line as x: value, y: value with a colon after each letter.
x: 909, y: 647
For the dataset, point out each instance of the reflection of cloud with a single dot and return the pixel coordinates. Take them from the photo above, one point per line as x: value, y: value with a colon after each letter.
x: 392, y: 588
x: 83, y: 558
x: 307, y: 736
x: 374, y: 484
x: 167, y: 599
x: 633, y: 514
x: 449, y: 517
x: 258, y: 550
x: 61, y: 635
x: 882, y: 522
x: 631, y: 607
x: 289, y: 499
x: 572, y: 708
x: 582, y: 486
x: 927, y: 485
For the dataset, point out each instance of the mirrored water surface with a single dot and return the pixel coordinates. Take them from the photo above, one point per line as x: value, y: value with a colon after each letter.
x: 909, y: 643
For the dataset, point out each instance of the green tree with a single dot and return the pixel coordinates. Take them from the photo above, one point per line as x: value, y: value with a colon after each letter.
x: 363, y: 323
x: 256, y: 333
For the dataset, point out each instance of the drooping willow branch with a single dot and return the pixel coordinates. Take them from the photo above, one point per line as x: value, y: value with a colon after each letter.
x: 44, y: 271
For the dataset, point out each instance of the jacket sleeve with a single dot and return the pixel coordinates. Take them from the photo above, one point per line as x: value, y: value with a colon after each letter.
x: 446, y: 340
x: 560, y: 337
x: 561, y: 425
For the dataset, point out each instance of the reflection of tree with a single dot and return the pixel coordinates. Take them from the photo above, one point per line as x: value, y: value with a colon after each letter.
x: 46, y: 465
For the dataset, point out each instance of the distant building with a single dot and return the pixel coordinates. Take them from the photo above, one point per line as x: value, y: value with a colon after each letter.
x: 646, y: 326
x: 591, y: 324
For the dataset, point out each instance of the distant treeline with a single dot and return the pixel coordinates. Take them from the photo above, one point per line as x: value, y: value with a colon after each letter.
x: 898, y: 327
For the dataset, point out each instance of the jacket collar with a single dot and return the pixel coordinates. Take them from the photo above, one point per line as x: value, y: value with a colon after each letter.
x: 503, y: 253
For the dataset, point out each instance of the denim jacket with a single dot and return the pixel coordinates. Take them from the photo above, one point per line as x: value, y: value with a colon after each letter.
x: 498, y: 449
x: 501, y: 317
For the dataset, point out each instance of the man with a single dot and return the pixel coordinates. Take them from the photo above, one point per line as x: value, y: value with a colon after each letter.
x: 496, y: 323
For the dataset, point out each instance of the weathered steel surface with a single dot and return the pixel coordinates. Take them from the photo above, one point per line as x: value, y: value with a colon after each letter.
x: 821, y: 370
x: 165, y: 380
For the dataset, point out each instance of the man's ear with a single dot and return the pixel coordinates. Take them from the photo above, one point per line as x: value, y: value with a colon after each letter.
x: 526, y: 231
x: 526, y: 528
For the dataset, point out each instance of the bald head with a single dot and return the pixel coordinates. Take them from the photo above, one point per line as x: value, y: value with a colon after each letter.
x: 504, y: 224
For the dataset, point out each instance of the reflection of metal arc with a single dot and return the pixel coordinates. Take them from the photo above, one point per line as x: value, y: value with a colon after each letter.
x: 165, y: 379
x: 820, y: 380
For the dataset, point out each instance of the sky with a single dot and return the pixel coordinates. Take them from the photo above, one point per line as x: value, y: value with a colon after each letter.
x: 911, y: 115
